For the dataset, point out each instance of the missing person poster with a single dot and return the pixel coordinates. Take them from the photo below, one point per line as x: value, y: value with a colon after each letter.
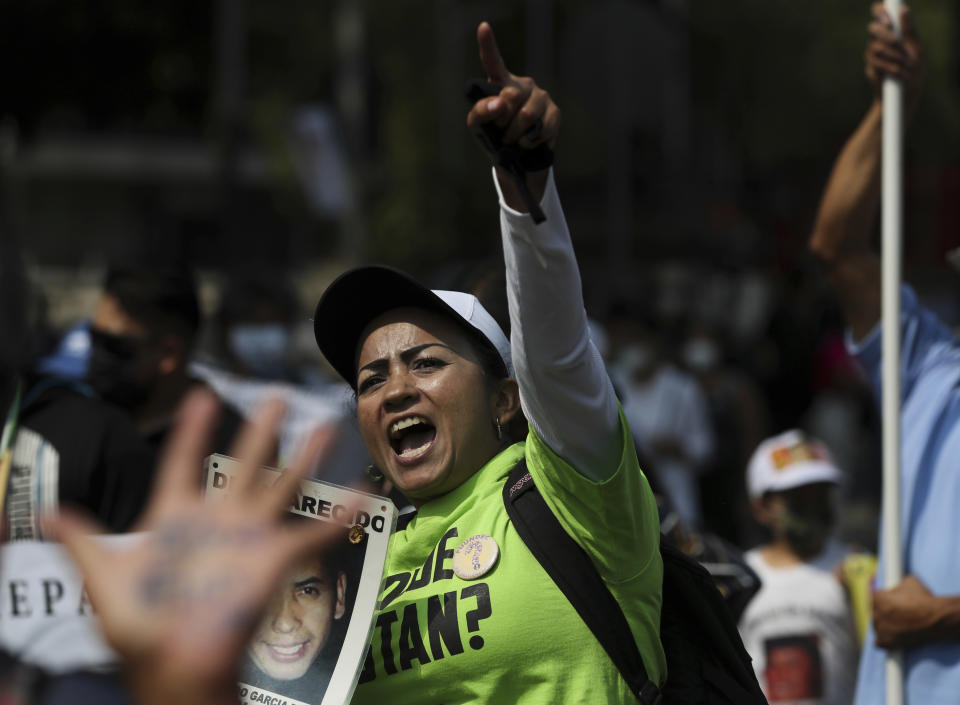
x: 310, y: 645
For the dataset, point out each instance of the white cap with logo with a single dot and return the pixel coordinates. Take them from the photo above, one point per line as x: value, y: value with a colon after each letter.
x: 790, y: 459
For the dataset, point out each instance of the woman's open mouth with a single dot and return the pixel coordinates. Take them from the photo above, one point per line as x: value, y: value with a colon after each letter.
x: 287, y: 654
x: 411, y: 438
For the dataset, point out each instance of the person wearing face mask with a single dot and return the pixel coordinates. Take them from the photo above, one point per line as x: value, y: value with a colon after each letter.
x: 59, y: 448
x: 255, y: 326
x: 669, y: 416
x: 739, y: 418
x: 141, y: 338
x: 799, y: 628
x: 254, y: 355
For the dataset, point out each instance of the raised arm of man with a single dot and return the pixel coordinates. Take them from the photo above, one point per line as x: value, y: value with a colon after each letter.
x: 848, y: 209
x: 908, y: 614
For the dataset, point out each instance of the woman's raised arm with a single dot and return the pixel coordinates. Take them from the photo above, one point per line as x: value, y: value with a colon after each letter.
x: 564, y: 388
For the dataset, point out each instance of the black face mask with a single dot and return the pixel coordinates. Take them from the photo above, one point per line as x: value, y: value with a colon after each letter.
x: 112, y: 371
x: 806, y: 527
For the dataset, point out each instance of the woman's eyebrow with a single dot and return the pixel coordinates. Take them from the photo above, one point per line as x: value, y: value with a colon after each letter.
x: 405, y: 355
x: 411, y: 353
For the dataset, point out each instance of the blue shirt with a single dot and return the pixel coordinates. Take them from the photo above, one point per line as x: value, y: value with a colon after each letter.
x: 929, y: 495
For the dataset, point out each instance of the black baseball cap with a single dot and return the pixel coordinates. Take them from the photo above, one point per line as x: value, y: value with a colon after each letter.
x: 359, y: 295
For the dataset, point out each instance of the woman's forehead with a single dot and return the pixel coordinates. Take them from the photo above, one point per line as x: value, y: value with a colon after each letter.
x: 404, y: 327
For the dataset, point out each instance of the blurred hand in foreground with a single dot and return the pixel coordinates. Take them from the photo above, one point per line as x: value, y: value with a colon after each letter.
x: 181, y: 604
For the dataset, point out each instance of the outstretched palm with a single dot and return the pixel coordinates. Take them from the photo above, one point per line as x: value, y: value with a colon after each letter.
x: 180, y: 604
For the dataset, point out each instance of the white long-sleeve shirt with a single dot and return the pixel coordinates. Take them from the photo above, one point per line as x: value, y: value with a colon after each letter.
x: 565, y: 391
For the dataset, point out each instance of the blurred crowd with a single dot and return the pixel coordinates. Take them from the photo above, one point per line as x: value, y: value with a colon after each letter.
x: 756, y: 426
x: 707, y: 362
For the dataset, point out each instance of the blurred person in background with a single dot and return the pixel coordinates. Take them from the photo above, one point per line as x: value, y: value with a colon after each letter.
x: 735, y: 580
x: 254, y: 326
x: 142, y: 336
x: 64, y: 446
x: 739, y: 418
x: 60, y: 447
x: 921, y: 614
x: 667, y: 412
x: 799, y: 628
x: 844, y: 415
x: 253, y: 358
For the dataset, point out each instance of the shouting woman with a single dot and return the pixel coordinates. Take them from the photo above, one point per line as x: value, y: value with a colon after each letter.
x: 467, y: 614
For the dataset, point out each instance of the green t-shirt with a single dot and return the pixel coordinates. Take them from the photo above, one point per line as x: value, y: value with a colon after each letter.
x: 510, y: 635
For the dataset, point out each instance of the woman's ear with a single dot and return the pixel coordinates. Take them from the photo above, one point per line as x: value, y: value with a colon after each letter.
x: 506, y: 402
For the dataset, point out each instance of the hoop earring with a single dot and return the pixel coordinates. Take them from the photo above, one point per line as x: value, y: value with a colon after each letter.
x: 499, y: 430
x: 373, y: 473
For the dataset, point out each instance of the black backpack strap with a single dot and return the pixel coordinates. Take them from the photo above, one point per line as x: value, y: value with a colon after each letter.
x: 574, y: 573
x: 692, y: 605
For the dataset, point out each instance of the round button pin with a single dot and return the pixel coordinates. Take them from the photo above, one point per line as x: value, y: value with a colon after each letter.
x: 356, y: 534
x: 475, y: 557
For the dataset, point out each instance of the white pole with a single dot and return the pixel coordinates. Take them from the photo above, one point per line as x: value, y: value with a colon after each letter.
x: 892, y: 226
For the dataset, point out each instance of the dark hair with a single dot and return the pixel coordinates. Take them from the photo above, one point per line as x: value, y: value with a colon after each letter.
x: 162, y: 300
x: 491, y: 363
x: 495, y: 371
x: 488, y: 282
